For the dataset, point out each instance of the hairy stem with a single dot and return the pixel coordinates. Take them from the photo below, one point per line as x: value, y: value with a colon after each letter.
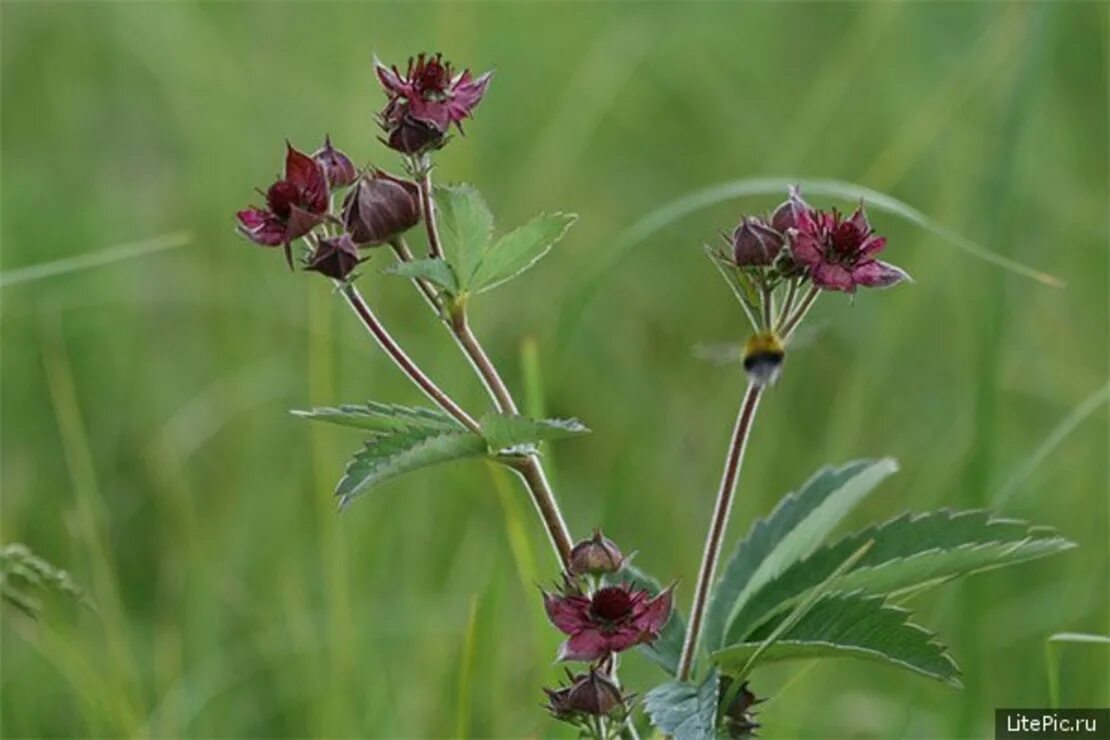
x: 427, y: 204
x: 768, y: 306
x: 529, y: 468
x: 404, y: 254
x: 788, y: 303
x: 496, y: 387
x: 790, y: 323
x: 717, y: 527
x: 532, y: 473
x: 408, y: 367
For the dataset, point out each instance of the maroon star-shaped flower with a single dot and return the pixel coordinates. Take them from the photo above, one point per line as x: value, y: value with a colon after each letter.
x: 426, y: 100
x: 295, y: 205
x: 613, y: 619
x: 839, y: 252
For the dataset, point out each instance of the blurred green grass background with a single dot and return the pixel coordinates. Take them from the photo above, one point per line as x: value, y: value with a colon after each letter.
x: 146, y: 444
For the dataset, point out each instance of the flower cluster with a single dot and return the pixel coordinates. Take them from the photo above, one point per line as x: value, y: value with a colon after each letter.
x: 833, y: 252
x: 600, y: 621
x: 378, y: 207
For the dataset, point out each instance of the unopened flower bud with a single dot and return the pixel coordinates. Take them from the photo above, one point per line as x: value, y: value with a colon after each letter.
x: 379, y: 208
x: 591, y: 694
x: 411, y: 136
x: 754, y: 243
x: 787, y: 213
x: 738, y: 717
x: 335, y: 257
x: 337, y: 166
x: 595, y: 556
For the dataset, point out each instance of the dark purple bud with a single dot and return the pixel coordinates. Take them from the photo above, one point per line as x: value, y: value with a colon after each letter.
x: 380, y: 207
x: 738, y: 717
x: 335, y: 257
x: 412, y: 136
x: 337, y: 166
x: 595, y: 556
x: 755, y: 243
x: 786, y: 215
x: 592, y: 694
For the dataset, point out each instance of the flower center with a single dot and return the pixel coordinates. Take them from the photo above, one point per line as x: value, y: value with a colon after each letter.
x: 432, y: 80
x: 611, y: 604
x: 280, y: 197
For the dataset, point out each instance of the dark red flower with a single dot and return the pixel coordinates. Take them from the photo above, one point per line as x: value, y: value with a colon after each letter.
x: 592, y: 694
x: 335, y: 257
x: 595, y: 556
x: 425, y: 101
x: 380, y: 207
x: 615, y: 618
x: 840, y: 253
x: 295, y: 205
x: 337, y: 166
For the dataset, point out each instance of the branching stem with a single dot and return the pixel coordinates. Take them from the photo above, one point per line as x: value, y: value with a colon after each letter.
x: 529, y: 467
x: 389, y: 345
x: 790, y: 323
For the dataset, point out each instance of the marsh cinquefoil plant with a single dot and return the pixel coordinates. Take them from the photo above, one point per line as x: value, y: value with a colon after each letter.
x: 785, y: 592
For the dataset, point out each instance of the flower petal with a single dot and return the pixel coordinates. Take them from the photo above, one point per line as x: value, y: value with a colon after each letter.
x: 833, y: 277
x: 876, y: 274
x: 588, y: 644
x: 466, y: 94
x: 655, y: 613
x: 872, y: 245
x: 307, y: 176
x: 859, y: 220
x: 300, y: 222
x: 391, y: 79
x: 568, y: 613
x: 806, y: 249
x: 434, y: 113
x: 625, y: 637
x: 261, y: 227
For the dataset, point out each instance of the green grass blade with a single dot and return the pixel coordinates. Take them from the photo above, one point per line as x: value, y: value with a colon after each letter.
x: 89, y: 260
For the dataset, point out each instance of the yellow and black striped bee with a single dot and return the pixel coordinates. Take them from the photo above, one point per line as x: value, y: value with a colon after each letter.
x: 764, y: 354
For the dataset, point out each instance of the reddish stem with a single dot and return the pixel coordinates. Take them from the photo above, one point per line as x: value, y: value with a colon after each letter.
x: 717, y: 527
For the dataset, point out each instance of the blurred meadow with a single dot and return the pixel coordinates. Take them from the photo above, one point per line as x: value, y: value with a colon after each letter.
x: 147, y: 448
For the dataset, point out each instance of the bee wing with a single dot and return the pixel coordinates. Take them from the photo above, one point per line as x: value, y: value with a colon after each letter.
x: 807, y: 334
x: 726, y: 353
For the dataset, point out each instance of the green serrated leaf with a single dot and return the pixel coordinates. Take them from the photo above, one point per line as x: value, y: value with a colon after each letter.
x: 685, y: 711
x: 795, y: 528
x: 466, y: 229
x: 850, y: 625
x: 435, y: 271
x: 381, y: 417
x: 521, y: 248
x: 404, y: 450
x: 909, y: 552
x: 667, y: 648
x: 504, y: 432
x: 803, y: 607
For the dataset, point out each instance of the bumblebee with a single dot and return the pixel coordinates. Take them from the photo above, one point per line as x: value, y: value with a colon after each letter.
x: 763, y: 357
